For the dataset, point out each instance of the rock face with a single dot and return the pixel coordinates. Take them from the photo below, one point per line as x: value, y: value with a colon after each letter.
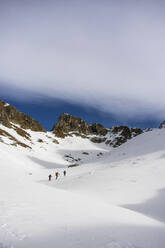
x: 115, y: 136
x: 9, y: 115
x: 162, y: 125
x: 98, y: 139
x: 120, y: 135
x: 68, y: 123
x: 98, y: 129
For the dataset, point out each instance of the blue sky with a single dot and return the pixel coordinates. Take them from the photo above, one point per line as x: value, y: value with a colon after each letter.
x: 102, y: 59
x: 48, y: 113
x: 47, y: 110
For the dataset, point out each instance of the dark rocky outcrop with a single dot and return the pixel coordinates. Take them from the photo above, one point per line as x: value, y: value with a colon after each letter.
x: 126, y: 131
x: 119, y: 135
x: 162, y: 125
x: 68, y: 123
x: 98, y: 129
x: 98, y: 139
x: 10, y: 115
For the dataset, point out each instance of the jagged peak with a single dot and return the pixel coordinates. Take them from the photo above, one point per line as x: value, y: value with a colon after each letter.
x: 68, y: 123
x: 115, y: 136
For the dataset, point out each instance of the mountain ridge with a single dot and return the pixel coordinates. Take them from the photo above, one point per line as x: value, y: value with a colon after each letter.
x: 105, y: 200
x: 9, y: 114
x: 66, y: 126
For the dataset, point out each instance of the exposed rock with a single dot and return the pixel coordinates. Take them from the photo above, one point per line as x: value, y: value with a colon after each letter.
x: 68, y: 124
x: 55, y: 141
x: 13, y: 139
x: 21, y: 144
x: 119, y: 135
x: 73, y: 165
x: 98, y: 139
x: 162, y: 125
x: 79, y: 135
x: 98, y: 129
x: 136, y: 131
x: 9, y: 115
x: 85, y: 153
x: 100, y: 154
x: 148, y: 129
x: 21, y: 132
x: 71, y: 159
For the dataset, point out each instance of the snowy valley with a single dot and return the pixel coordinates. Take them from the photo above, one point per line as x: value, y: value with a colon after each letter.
x: 113, y: 194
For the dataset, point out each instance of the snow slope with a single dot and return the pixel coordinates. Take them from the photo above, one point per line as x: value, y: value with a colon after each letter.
x: 114, y: 199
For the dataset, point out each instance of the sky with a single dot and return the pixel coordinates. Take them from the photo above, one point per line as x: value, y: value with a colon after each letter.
x: 101, y: 60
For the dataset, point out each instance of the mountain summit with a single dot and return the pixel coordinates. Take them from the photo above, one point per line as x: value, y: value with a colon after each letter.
x: 68, y: 123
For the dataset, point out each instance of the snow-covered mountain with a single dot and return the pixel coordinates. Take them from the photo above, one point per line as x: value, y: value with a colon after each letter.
x: 16, y: 129
x: 111, y: 197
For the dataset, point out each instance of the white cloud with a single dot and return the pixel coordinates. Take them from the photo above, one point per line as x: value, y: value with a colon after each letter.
x: 108, y: 54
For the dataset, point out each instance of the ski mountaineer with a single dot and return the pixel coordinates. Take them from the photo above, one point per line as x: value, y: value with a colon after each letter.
x: 56, y: 174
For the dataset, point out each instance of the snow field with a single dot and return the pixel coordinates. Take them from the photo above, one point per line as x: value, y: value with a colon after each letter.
x: 90, y: 206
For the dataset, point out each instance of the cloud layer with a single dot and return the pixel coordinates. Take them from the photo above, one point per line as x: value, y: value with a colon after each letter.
x: 106, y: 54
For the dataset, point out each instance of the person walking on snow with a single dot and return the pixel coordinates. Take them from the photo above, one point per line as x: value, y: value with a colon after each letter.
x: 50, y: 176
x: 64, y: 173
x: 56, y: 174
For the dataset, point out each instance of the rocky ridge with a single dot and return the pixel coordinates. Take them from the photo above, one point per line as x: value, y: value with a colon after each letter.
x: 9, y: 115
x: 121, y: 134
x: 69, y: 125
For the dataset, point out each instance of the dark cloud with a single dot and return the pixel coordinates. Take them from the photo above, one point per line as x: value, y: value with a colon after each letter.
x: 106, y: 54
